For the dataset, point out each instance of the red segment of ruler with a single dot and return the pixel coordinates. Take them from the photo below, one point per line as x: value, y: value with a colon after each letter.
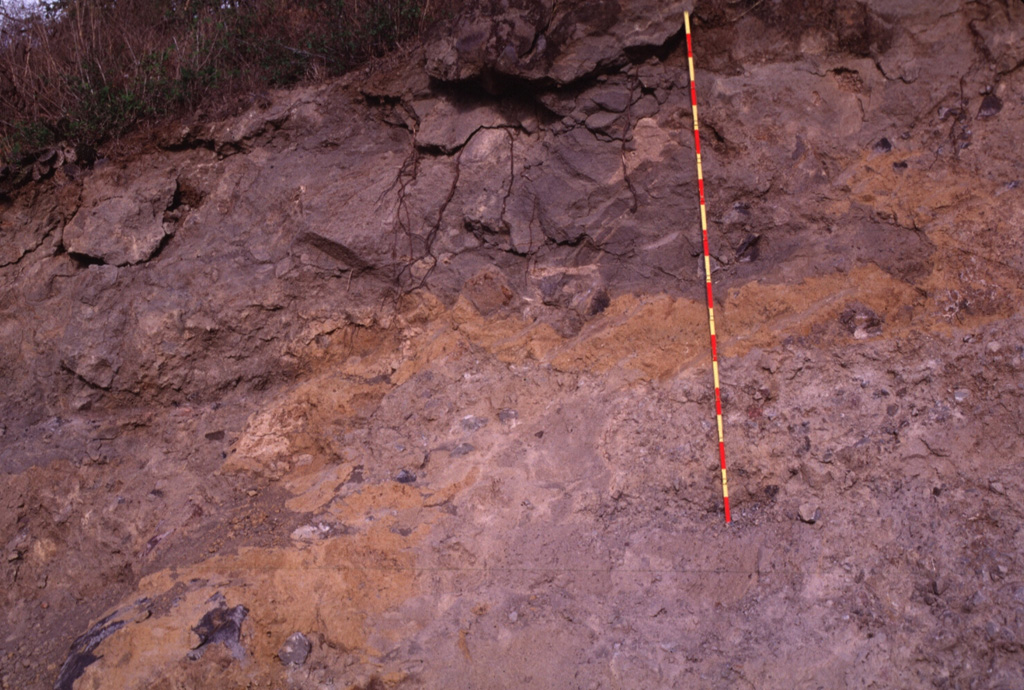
x: 707, y: 271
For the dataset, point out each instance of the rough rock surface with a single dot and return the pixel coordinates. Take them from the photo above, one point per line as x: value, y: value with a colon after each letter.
x: 416, y: 362
x: 542, y: 40
x: 121, y: 221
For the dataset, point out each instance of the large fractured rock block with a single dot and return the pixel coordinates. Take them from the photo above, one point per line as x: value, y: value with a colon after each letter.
x: 121, y: 222
x: 541, y: 40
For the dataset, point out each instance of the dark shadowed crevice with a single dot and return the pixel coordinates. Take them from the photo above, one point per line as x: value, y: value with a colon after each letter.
x: 164, y: 241
x: 84, y: 260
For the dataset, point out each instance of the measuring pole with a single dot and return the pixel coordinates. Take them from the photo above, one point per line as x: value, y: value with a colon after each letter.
x: 707, y: 271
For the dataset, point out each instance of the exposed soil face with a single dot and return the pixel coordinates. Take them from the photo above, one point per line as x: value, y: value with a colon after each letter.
x: 415, y: 363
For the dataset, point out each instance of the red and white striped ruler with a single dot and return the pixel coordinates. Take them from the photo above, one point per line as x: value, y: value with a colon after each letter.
x: 707, y: 270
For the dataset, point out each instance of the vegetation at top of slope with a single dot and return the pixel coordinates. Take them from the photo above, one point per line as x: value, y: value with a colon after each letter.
x: 84, y: 71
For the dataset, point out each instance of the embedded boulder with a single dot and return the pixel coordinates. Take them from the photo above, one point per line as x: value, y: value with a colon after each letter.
x: 121, y: 221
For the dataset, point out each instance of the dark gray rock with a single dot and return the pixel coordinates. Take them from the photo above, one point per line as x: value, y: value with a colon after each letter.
x: 82, y: 648
x: 473, y: 423
x: 507, y: 415
x: 990, y: 106
x: 462, y: 449
x: 295, y: 650
x: 220, y: 625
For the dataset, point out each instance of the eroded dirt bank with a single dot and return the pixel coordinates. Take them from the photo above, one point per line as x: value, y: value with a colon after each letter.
x: 415, y: 364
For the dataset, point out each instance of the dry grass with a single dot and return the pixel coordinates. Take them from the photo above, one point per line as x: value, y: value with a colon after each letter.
x: 86, y: 70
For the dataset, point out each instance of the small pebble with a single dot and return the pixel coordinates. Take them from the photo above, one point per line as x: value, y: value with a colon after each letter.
x: 295, y: 650
x: 810, y: 513
x: 961, y: 394
x: 994, y: 347
x: 513, y: 616
x: 883, y: 145
x: 997, y: 488
x: 405, y: 477
x: 473, y: 423
x: 990, y: 106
